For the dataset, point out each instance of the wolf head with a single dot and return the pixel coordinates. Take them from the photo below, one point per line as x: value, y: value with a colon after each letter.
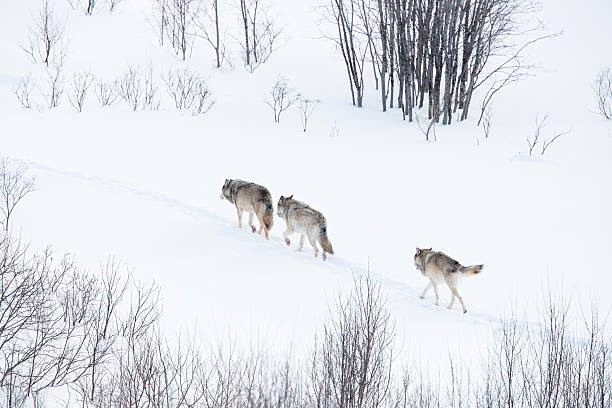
x: 419, y: 258
x: 226, y: 190
x: 283, y: 204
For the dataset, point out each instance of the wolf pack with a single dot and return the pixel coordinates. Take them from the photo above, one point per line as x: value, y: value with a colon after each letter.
x: 310, y: 223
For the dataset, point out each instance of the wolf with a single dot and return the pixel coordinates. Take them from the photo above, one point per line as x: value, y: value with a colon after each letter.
x: 438, y: 266
x: 307, y: 221
x: 254, y: 199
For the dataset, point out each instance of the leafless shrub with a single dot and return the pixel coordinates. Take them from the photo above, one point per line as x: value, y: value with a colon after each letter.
x: 261, y: 34
x: 430, y: 127
x: 106, y: 92
x: 281, y: 98
x: 351, y: 365
x: 55, y: 86
x: 536, y: 135
x: 334, y: 131
x: 307, y: 106
x: 130, y: 88
x: 486, y: 123
x: 547, y: 143
x: 46, y: 42
x: 189, y: 91
x: 81, y: 81
x: 14, y: 186
x: 602, y: 88
x: 150, y: 90
x: 23, y: 91
x: 533, y: 142
x: 138, y: 89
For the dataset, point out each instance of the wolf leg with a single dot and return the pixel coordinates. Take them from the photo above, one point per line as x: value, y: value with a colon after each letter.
x: 426, y: 290
x: 452, y: 303
x: 313, y: 243
x: 435, y: 287
x: 456, y: 293
x: 239, y: 217
x: 251, y: 222
x: 286, y: 234
x: 301, y: 246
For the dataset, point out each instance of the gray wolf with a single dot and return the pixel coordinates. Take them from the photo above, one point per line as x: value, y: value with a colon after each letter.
x: 439, y: 267
x: 307, y: 221
x: 254, y: 199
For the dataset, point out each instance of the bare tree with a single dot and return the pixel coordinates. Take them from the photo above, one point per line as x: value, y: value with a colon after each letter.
x: 161, y: 19
x: 74, y: 4
x: 307, y: 106
x: 352, y: 43
x: 23, y: 91
x: 112, y: 4
x: 602, y: 88
x: 260, y: 33
x: 89, y: 7
x: 189, y: 91
x: 80, y: 86
x: 14, y: 186
x: 281, y: 98
x: 208, y: 28
x: 46, y: 41
x: 106, y: 92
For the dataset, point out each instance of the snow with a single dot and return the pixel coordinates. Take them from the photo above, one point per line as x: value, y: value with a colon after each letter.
x: 144, y: 186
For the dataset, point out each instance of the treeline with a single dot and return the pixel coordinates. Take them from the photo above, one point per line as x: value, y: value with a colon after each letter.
x: 433, y: 53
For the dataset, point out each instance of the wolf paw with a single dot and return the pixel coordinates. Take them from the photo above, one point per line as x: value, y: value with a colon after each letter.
x: 421, y: 297
x: 465, y: 311
x: 253, y: 229
x: 324, y: 256
x: 287, y: 241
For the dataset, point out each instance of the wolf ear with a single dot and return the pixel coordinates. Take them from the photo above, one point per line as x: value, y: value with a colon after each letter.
x: 429, y: 249
x: 418, y: 251
x: 290, y: 197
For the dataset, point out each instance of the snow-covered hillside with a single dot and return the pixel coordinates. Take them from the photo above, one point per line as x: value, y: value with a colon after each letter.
x: 144, y: 186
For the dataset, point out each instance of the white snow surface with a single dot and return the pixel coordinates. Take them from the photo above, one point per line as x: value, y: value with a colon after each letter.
x: 144, y: 186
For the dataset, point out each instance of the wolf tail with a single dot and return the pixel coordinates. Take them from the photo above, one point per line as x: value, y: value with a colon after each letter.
x: 268, y: 216
x: 472, y: 269
x: 324, y: 241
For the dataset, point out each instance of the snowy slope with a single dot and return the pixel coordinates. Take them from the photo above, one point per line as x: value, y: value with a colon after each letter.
x: 145, y: 186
